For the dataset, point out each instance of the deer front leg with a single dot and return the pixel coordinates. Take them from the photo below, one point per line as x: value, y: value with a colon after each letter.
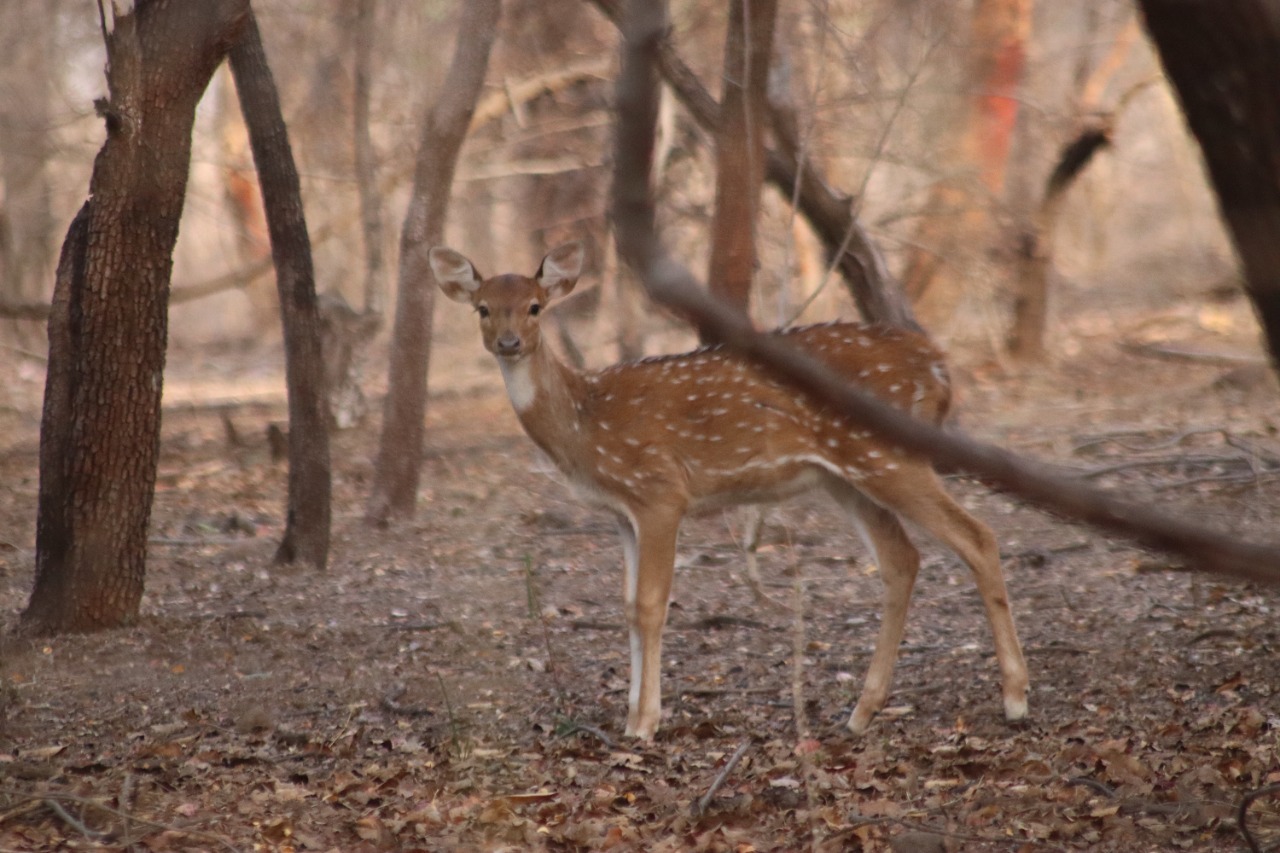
x: 649, y: 550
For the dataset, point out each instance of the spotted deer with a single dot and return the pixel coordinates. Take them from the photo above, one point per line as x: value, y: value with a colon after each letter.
x: 652, y: 440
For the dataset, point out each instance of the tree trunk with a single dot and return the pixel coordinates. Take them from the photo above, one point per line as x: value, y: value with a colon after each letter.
x: 27, y: 85
x: 366, y: 168
x: 874, y: 291
x: 1094, y: 128
x: 396, y: 472
x: 740, y: 150
x: 957, y: 214
x: 306, y: 535
x: 100, y: 432
x: 1224, y: 61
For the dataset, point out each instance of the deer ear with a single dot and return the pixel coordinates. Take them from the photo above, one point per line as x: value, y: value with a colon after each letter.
x: 560, y: 269
x: 455, y: 274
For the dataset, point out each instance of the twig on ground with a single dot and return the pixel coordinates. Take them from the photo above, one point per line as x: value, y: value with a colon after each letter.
x: 1171, y: 352
x: 54, y: 801
x: 25, y: 807
x: 724, y: 620
x: 803, y: 733
x: 1117, y: 437
x: 391, y: 703
x: 797, y: 650
x: 1248, y: 477
x: 1094, y: 784
x: 421, y: 626
x: 128, y: 793
x: 74, y: 822
x: 704, y: 802
x: 1214, y: 634
x: 1242, y: 814
x: 593, y: 625
x: 725, y: 691
x: 598, y: 734
x: 1162, y: 462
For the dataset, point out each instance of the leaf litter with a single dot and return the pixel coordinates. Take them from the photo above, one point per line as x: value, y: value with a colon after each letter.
x: 459, y: 682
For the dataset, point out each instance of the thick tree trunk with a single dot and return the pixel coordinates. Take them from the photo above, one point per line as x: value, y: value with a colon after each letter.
x: 1223, y: 59
x: 306, y: 535
x: 100, y: 434
x: 396, y: 472
x: 740, y: 150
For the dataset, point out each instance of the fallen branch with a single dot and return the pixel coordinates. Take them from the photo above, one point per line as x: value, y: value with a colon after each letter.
x: 1094, y: 784
x: 1242, y: 814
x: 54, y: 801
x: 704, y: 802
x: 391, y: 704
x: 74, y: 822
x: 598, y: 734
x: 672, y: 285
x: 1171, y: 352
x: 726, y: 620
x: 1163, y: 462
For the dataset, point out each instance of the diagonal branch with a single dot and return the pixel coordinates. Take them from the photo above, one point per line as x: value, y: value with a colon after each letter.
x: 671, y: 284
x: 877, y: 295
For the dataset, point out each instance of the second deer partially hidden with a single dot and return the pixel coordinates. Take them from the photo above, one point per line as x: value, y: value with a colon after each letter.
x: 652, y: 440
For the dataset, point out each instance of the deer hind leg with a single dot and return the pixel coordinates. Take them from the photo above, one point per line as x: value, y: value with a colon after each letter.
x: 899, y: 562
x: 753, y: 530
x: 649, y: 549
x: 916, y: 494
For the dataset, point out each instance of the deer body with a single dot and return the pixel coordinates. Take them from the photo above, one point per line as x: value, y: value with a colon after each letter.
x: 655, y: 439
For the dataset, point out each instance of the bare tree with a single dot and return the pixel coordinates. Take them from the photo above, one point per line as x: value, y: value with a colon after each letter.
x: 740, y: 149
x: 1224, y: 61
x: 877, y: 295
x: 396, y: 471
x: 100, y: 432
x: 306, y: 535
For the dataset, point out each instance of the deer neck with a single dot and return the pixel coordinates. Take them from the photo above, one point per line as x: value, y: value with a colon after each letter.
x: 546, y: 395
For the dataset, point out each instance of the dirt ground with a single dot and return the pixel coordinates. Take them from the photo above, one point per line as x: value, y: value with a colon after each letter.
x: 458, y: 682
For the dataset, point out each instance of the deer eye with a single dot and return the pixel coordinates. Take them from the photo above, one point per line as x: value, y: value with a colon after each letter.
x: 534, y: 309
x: 483, y: 311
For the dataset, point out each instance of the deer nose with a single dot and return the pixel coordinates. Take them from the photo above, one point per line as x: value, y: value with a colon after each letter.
x: 508, y: 343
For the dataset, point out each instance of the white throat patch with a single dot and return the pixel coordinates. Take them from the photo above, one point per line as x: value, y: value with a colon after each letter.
x: 518, y: 376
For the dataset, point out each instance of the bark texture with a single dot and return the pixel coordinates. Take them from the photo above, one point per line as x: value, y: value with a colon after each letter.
x: 306, y: 535
x: 100, y: 432
x: 1223, y: 59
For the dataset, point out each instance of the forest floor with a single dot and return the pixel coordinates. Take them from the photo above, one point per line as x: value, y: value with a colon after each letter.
x: 458, y: 682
